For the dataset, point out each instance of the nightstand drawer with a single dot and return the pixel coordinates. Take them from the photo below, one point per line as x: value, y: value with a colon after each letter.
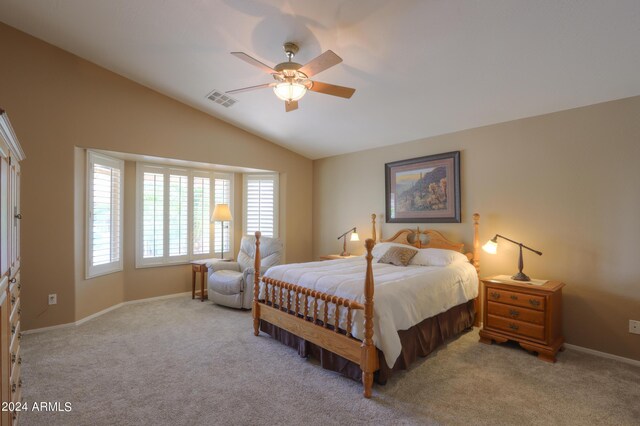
x: 517, y: 299
x: 521, y: 314
x: 516, y: 327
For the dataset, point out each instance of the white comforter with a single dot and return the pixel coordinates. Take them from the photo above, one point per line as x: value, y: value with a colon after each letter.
x: 403, y: 297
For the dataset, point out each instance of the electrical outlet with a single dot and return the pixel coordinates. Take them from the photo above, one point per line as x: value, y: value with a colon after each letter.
x: 53, y: 299
x: 634, y: 327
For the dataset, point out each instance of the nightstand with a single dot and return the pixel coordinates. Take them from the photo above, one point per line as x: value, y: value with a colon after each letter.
x: 526, y: 313
x: 335, y: 256
x: 201, y: 267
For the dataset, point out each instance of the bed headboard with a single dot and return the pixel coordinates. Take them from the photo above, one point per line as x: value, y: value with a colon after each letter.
x: 429, y: 238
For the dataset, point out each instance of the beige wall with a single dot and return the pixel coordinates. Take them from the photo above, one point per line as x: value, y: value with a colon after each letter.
x: 57, y: 102
x: 564, y: 183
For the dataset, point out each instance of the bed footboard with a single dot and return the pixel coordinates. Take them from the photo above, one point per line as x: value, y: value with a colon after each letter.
x: 296, y: 309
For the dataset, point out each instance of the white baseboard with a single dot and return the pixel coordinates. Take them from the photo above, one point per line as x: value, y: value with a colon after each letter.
x: 104, y: 311
x: 602, y: 354
x: 52, y: 327
x: 149, y: 299
x: 97, y: 314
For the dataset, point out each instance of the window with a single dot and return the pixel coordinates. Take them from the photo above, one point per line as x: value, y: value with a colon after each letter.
x: 105, y: 178
x: 174, y: 207
x: 201, y: 214
x: 261, y: 204
x: 222, y: 195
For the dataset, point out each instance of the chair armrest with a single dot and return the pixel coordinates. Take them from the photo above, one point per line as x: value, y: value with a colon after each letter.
x: 219, y: 266
x: 249, y: 276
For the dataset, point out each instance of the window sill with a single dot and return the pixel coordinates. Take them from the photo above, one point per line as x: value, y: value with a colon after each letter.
x: 227, y: 256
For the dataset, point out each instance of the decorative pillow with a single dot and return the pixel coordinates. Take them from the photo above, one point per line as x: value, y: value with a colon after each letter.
x: 437, y: 257
x: 399, y: 256
x: 381, y: 248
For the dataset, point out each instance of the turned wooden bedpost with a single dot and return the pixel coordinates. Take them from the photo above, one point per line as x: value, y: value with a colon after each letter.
x: 256, y: 287
x: 476, y: 264
x: 369, y: 356
x: 373, y: 227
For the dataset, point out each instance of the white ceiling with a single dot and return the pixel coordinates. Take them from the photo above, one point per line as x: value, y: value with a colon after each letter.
x: 421, y: 68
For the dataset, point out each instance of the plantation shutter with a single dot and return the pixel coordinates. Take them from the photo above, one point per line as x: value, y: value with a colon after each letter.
x: 178, y: 215
x: 104, y: 206
x: 222, y: 195
x: 260, y: 194
x: 152, y: 214
x: 201, y: 214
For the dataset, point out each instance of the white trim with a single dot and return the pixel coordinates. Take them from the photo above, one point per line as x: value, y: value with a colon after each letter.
x: 104, y: 311
x: 151, y: 299
x: 97, y: 314
x: 600, y: 354
x: 7, y: 133
x: 50, y: 328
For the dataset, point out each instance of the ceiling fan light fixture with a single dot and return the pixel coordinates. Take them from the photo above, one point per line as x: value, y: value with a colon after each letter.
x: 290, y: 91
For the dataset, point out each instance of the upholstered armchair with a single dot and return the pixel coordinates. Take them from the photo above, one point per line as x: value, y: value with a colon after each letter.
x: 231, y: 283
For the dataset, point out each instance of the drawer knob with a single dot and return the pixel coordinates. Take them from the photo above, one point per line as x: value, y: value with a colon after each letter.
x: 495, y: 295
x: 514, y: 297
x: 13, y: 358
x: 13, y: 329
x: 13, y: 300
x: 514, y: 313
x: 534, y: 302
x: 513, y: 326
x: 13, y: 388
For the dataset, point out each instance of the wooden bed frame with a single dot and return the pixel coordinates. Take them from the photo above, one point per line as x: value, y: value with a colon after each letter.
x: 281, y: 305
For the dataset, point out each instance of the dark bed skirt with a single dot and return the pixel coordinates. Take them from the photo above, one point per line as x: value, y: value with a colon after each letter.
x: 418, y: 341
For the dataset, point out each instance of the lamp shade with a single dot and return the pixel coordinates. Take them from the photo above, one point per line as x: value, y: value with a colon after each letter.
x: 290, y: 91
x: 221, y: 213
x: 355, y: 237
x: 491, y: 246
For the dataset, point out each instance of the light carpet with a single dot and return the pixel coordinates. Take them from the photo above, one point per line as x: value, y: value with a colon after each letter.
x: 183, y: 362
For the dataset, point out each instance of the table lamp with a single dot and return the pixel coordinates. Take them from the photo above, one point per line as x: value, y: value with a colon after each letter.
x: 221, y: 214
x: 492, y: 247
x: 354, y: 237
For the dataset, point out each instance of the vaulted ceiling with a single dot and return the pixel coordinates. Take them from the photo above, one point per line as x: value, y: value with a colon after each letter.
x: 421, y: 68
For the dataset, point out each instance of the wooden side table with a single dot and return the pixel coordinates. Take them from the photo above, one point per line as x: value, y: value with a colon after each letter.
x: 335, y: 256
x: 201, y: 267
x: 198, y: 266
x: 528, y: 314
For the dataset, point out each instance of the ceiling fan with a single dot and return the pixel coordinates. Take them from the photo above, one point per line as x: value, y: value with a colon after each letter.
x: 292, y: 79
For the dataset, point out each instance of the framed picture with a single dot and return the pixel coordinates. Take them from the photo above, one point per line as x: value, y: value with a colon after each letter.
x: 423, y: 190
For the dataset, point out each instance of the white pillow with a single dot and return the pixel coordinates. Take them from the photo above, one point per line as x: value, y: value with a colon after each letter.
x: 381, y: 248
x: 437, y: 257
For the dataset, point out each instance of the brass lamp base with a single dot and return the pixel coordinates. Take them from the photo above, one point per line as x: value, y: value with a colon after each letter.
x: 520, y: 276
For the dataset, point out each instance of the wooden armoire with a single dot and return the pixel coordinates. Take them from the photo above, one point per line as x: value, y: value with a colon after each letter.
x: 10, y: 357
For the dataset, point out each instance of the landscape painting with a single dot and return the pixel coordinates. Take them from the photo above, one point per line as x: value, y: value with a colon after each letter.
x: 423, y: 190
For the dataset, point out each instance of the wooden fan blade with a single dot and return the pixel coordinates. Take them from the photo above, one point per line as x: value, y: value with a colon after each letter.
x: 253, y: 61
x: 332, y: 89
x: 290, y: 106
x: 247, y: 89
x: 321, y: 63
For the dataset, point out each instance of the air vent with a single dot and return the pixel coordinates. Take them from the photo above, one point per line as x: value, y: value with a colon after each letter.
x: 219, y: 97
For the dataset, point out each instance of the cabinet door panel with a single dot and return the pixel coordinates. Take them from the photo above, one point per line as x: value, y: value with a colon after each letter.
x: 4, y: 216
x: 5, y: 390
